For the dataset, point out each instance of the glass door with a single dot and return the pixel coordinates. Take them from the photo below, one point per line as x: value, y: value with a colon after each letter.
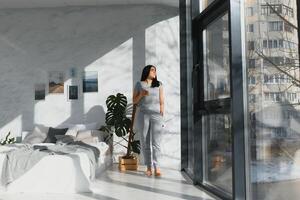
x: 213, y: 101
x: 216, y: 122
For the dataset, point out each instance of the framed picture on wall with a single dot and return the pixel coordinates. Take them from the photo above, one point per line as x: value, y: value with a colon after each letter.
x: 56, y: 82
x: 39, y: 91
x: 72, y: 92
x: 90, y: 82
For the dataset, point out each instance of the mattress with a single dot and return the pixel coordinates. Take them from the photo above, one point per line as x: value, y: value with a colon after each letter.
x: 59, y: 173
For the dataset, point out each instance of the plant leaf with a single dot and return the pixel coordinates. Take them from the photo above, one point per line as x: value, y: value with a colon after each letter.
x: 136, y: 146
x: 122, y: 127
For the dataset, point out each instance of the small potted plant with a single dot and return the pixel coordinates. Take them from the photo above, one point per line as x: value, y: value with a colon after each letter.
x: 117, y: 121
x: 8, y: 140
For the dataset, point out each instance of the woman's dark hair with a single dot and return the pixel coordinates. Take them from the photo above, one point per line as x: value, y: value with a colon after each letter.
x: 145, y: 74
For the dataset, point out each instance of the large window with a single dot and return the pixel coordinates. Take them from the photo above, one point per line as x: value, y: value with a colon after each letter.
x: 274, y: 115
x: 217, y: 138
x: 275, y: 26
x: 246, y: 98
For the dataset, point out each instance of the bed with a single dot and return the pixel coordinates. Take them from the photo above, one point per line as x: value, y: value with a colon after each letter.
x: 57, y: 173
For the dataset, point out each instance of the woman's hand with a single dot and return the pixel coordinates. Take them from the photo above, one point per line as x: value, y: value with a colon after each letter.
x: 161, y: 110
x: 161, y: 101
x: 162, y: 113
x: 138, y: 95
x: 144, y: 92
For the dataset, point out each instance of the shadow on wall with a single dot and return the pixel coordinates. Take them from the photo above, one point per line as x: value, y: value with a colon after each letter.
x: 36, y: 41
x: 95, y: 114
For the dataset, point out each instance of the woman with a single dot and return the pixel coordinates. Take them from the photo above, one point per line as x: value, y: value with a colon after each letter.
x: 148, y: 95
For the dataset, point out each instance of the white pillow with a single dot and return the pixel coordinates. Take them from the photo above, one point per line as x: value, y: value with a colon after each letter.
x: 81, y: 135
x: 38, y: 135
x: 72, y: 131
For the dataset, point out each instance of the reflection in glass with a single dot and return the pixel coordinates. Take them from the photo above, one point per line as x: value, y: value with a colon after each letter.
x: 218, y: 151
x: 216, y: 60
x: 273, y: 99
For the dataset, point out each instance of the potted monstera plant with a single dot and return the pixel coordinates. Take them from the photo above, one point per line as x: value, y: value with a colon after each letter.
x: 119, y: 120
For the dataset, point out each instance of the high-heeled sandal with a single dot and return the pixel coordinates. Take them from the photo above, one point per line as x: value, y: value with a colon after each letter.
x: 157, y: 172
x: 149, y: 172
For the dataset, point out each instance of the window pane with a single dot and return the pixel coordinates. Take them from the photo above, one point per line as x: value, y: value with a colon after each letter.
x: 273, y: 109
x: 275, y: 44
x: 216, y: 60
x: 217, y: 145
x: 270, y: 43
x: 218, y: 151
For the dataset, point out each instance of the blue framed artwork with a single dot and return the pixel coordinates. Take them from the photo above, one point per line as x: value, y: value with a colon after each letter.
x: 90, y: 82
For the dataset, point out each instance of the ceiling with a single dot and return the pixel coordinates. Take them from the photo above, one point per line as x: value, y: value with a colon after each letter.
x: 60, y: 3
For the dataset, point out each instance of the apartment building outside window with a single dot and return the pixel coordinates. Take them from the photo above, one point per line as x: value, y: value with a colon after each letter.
x: 271, y: 131
x: 264, y: 80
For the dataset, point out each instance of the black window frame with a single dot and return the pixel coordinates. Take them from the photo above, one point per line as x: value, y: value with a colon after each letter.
x: 236, y: 101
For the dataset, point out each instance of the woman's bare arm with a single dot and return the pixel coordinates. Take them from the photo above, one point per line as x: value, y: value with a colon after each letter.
x: 138, y: 95
x: 161, y: 101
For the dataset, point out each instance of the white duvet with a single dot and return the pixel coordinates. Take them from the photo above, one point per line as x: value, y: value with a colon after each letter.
x: 57, y: 173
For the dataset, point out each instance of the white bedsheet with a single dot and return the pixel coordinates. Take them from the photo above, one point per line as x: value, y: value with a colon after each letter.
x: 58, y: 174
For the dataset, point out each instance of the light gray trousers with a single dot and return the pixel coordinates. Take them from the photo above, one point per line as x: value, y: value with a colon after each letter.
x: 151, y: 128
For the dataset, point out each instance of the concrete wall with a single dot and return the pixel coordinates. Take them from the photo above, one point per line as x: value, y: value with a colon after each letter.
x: 116, y: 41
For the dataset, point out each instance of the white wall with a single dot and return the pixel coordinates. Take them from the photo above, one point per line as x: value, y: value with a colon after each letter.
x: 116, y: 41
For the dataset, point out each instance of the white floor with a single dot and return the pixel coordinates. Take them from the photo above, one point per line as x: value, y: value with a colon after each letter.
x: 114, y: 185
